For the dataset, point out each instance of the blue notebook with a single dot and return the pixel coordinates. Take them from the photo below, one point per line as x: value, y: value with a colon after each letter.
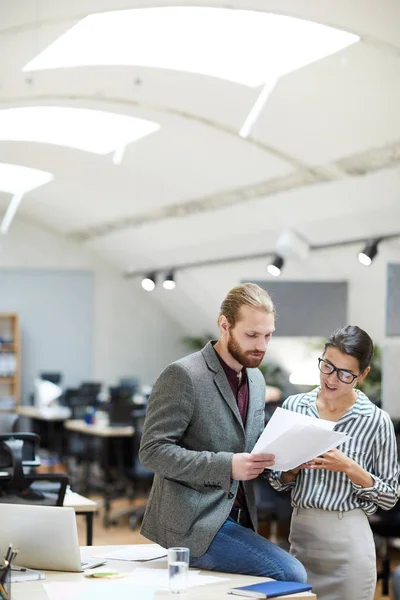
x: 270, y: 589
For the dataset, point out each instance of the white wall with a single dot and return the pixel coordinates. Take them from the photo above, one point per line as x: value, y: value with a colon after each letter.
x: 139, y: 333
x: 133, y: 335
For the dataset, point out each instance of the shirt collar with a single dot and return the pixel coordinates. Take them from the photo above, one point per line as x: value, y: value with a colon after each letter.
x: 231, y: 374
x: 362, y: 406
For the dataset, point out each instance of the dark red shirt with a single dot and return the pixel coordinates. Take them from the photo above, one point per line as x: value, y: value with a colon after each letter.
x: 240, y: 389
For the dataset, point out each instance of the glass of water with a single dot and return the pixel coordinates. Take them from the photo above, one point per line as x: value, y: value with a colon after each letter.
x: 178, y: 566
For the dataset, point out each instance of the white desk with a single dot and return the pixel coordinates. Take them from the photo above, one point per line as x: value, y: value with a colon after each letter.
x: 216, y: 591
x: 45, y: 413
x: 105, y: 431
x: 82, y: 506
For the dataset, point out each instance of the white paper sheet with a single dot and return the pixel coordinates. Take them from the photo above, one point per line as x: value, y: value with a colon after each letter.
x: 159, y: 578
x: 136, y: 552
x: 295, y: 438
x: 99, y: 589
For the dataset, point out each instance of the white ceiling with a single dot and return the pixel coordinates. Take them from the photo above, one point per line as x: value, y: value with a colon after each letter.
x: 323, y: 157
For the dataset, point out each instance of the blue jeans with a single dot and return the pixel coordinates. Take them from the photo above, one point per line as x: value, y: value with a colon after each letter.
x: 238, y: 549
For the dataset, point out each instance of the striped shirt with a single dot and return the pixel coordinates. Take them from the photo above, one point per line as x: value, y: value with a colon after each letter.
x: 372, y: 445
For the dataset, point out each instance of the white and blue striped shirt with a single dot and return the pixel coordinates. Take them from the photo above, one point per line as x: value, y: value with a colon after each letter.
x: 372, y: 445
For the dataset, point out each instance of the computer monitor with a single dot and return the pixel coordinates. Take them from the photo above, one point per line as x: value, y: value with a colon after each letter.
x: 121, y: 405
x: 53, y: 377
x: 89, y: 388
x: 30, y: 456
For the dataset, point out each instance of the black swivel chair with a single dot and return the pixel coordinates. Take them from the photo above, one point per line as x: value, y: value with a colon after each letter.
x: 18, y: 454
x: 81, y: 450
x: 8, y: 422
x: 139, y: 478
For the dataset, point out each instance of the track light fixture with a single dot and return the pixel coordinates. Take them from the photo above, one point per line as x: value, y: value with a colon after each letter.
x: 368, y: 253
x: 169, y: 281
x: 149, y: 282
x: 275, y: 267
x: 290, y: 246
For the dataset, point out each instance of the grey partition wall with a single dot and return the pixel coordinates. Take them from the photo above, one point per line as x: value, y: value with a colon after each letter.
x: 391, y: 379
x: 393, y: 300
x: 308, y: 308
x: 56, y: 311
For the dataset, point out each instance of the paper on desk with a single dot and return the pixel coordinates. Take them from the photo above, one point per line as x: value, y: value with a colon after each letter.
x: 26, y: 575
x: 159, y: 578
x: 295, y: 438
x: 136, y: 552
x: 98, y: 589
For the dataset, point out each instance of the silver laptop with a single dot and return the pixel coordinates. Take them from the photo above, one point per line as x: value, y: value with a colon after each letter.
x: 47, y: 537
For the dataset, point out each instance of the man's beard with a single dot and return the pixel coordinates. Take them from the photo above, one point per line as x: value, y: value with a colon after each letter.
x: 241, y: 356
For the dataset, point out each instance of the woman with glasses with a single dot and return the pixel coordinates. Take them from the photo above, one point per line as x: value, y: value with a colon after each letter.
x: 333, y: 494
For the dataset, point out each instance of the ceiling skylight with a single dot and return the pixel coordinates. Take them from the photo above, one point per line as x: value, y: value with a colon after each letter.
x: 90, y: 130
x: 243, y: 46
x: 18, y: 180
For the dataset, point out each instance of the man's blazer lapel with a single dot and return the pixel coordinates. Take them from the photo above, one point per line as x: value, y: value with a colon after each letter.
x: 225, y: 390
x: 221, y: 380
x: 251, y: 422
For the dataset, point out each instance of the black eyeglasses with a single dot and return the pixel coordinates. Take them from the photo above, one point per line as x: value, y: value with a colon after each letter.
x: 327, y: 368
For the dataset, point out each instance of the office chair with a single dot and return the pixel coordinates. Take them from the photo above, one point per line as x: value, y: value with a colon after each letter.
x: 140, y: 478
x: 19, y: 451
x: 386, y: 524
x: 81, y: 450
x: 8, y: 422
x: 395, y: 578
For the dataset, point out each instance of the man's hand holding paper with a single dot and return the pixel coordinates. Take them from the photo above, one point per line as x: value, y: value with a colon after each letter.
x: 249, y: 466
x: 295, y: 439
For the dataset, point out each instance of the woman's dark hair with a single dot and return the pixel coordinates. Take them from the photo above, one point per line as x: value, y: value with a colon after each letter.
x: 353, y: 341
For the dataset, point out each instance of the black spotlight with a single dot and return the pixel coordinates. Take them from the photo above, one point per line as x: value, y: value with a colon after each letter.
x: 275, y: 267
x: 169, y: 281
x: 149, y: 282
x: 368, y: 253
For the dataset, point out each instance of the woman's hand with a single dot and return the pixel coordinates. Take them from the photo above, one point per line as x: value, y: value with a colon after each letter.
x: 333, y: 460
x: 288, y: 476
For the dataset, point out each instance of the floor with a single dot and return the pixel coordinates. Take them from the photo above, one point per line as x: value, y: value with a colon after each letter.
x: 120, y: 533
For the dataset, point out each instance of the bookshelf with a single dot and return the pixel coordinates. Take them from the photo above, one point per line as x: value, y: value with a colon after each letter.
x: 10, y: 361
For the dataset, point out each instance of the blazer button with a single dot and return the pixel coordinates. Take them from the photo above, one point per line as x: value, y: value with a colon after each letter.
x: 230, y: 495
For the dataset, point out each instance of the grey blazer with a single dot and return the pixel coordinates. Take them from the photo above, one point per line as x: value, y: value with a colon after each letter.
x: 192, y: 429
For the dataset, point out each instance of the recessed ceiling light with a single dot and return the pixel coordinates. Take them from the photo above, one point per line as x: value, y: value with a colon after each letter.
x: 94, y: 131
x: 244, y: 46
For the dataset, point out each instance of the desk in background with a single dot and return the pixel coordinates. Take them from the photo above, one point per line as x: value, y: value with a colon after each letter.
x: 34, y: 590
x: 111, y: 435
x: 82, y: 506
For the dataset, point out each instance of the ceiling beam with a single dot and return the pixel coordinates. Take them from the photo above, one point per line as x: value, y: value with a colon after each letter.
x: 355, y: 165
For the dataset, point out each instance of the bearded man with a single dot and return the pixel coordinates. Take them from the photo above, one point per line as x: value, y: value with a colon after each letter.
x: 205, y: 414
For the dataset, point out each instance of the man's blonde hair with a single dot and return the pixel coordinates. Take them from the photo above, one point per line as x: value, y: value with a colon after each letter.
x: 247, y: 294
